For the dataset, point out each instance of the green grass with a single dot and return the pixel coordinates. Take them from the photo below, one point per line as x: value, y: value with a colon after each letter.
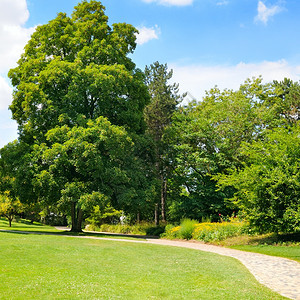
x: 24, y: 225
x: 290, y: 252
x: 287, y: 246
x: 59, y: 267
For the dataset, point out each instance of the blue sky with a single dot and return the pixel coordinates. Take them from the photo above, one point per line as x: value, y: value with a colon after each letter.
x: 205, y: 42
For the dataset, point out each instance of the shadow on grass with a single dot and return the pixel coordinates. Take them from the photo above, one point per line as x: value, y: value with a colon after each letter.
x: 77, y: 234
x: 274, y: 238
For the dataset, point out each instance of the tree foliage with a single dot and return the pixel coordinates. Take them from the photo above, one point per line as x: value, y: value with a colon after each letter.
x: 158, y: 114
x: 83, y: 166
x: 204, y: 140
x: 98, y: 136
x: 78, y: 66
x: 268, y: 183
x: 9, y: 206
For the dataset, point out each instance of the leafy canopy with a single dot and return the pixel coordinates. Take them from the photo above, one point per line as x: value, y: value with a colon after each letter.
x: 78, y: 66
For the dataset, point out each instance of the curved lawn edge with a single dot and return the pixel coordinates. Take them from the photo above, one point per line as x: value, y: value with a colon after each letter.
x: 279, y: 274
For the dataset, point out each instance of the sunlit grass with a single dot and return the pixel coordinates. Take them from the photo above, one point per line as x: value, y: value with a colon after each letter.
x: 287, y: 246
x: 59, y: 267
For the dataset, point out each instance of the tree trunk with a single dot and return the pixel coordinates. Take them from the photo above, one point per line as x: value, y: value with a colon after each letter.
x: 163, y: 198
x: 76, y: 215
x: 79, y: 219
x: 9, y: 221
x: 156, y: 219
x: 138, y: 217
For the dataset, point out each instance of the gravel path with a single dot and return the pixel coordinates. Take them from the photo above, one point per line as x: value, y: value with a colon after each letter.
x: 279, y: 274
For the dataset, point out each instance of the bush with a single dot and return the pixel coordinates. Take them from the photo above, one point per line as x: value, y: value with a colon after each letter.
x: 186, y: 230
x: 143, y: 228
x: 207, y: 232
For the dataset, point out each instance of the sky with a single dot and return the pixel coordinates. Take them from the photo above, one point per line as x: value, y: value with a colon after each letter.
x: 205, y: 42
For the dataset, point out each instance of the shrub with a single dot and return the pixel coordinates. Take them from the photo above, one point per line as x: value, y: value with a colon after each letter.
x: 143, y: 228
x: 206, y: 232
x: 186, y: 229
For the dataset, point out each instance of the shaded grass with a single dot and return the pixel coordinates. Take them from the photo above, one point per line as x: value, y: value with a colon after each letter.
x: 24, y: 225
x: 38, y: 228
x: 58, y: 267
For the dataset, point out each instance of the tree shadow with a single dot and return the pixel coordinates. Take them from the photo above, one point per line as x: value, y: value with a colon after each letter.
x: 78, y: 234
x: 274, y: 238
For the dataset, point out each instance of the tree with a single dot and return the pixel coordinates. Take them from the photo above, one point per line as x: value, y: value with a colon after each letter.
x: 286, y: 102
x: 84, y: 166
x: 9, y: 206
x: 10, y: 166
x: 267, y: 186
x: 76, y: 67
x: 204, y: 140
x: 103, y: 213
x: 158, y: 114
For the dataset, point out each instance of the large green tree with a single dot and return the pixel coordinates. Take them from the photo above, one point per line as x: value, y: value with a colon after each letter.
x: 204, y: 140
x: 268, y: 183
x: 158, y: 113
x: 74, y: 66
x: 83, y: 167
x: 74, y: 69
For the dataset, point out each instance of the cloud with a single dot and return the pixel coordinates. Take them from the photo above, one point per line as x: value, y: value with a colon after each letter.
x: 196, y: 79
x: 5, y: 93
x: 264, y: 12
x: 13, y: 34
x: 13, y: 37
x: 8, y: 128
x: 223, y: 2
x: 146, y: 34
x: 171, y: 2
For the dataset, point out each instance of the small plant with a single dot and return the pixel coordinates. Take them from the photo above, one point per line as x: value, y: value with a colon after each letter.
x: 187, y: 228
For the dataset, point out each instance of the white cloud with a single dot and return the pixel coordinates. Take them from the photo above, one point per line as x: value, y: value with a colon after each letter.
x: 171, y: 2
x: 264, y: 12
x: 13, y: 34
x: 146, y: 34
x: 8, y: 128
x: 13, y: 37
x: 223, y: 2
x: 196, y: 79
x: 5, y: 94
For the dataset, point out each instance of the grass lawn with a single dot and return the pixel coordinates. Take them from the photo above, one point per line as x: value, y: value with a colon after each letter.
x: 24, y: 225
x: 58, y: 267
x: 287, y: 246
x: 291, y: 252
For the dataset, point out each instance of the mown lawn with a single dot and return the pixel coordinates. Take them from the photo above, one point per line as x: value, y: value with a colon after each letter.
x: 24, y: 225
x: 290, y: 252
x: 287, y: 246
x: 59, y: 267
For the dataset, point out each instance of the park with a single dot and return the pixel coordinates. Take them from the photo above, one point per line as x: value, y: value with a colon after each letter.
x: 144, y: 181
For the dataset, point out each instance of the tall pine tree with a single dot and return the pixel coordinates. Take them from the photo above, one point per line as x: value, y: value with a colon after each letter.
x: 158, y: 115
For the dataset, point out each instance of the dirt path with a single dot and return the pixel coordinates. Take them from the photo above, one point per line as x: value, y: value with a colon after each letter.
x: 279, y: 274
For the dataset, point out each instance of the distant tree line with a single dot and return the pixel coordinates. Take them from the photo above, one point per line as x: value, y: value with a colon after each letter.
x: 99, y: 138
